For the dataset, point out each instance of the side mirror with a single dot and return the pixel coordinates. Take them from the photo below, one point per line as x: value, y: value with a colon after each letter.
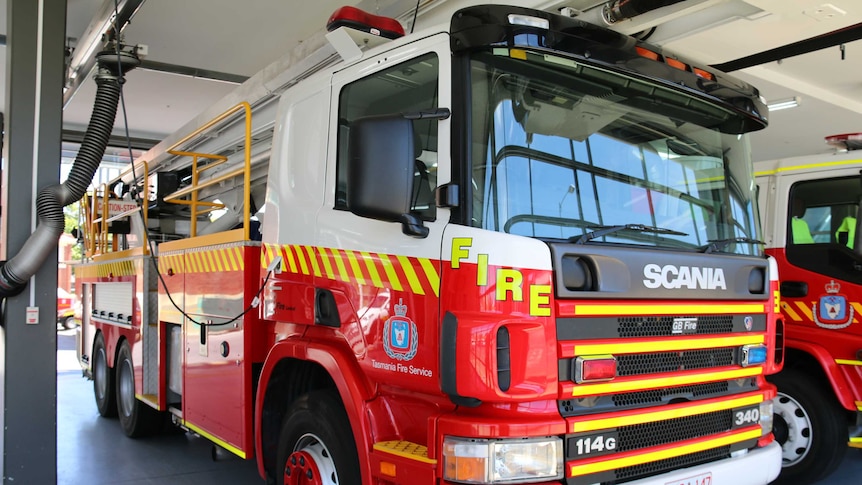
x: 380, y: 171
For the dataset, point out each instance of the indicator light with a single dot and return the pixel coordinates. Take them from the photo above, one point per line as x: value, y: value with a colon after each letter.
x: 595, y: 368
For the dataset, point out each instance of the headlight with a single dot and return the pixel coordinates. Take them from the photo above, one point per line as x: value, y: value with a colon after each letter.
x: 766, y: 416
x: 502, y: 461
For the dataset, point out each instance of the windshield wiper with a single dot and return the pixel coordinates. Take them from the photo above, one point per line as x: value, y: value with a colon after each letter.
x: 717, y: 244
x: 605, y: 230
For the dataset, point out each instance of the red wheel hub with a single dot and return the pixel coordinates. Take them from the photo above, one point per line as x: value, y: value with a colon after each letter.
x: 301, y: 469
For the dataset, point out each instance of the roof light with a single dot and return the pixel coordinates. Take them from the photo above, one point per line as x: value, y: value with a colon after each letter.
x: 595, y: 368
x: 647, y: 53
x: 360, y: 20
x: 526, y: 20
x: 703, y: 74
x: 676, y: 64
x: 846, y: 141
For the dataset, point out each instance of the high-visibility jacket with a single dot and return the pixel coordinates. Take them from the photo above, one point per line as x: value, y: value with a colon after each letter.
x: 848, y: 225
x: 801, y: 233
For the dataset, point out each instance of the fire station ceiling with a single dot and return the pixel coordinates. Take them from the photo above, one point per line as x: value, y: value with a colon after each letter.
x: 197, y: 51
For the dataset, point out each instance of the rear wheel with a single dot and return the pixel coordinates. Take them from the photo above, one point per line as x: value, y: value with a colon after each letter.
x: 136, y: 418
x: 103, y: 380
x: 810, y: 426
x: 316, y: 445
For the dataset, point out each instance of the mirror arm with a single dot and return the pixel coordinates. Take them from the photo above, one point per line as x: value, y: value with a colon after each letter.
x: 413, y: 226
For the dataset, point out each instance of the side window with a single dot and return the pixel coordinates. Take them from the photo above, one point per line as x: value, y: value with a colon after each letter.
x: 823, y: 211
x: 821, y: 225
x: 408, y: 87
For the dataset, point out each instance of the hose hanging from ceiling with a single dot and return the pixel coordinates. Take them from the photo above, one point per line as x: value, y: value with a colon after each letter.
x: 50, y: 201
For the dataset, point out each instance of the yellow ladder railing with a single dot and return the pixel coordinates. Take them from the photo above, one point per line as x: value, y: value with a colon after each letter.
x: 199, y: 167
x: 97, y: 215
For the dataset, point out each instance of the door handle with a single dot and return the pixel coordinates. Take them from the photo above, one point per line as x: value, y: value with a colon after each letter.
x: 794, y: 289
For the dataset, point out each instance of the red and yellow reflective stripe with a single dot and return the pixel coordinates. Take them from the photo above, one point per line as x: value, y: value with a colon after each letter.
x: 670, y: 451
x: 658, y: 382
x: 212, y: 260
x: 634, y: 418
x: 400, y: 273
x: 802, y: 311
x: 574, y: 349
x: 129, y: 267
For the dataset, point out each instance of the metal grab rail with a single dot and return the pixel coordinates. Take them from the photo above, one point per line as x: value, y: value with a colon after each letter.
x: 196, y: 185
x: 95, y: 234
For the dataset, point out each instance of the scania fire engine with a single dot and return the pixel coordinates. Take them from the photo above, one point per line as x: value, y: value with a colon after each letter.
x: 810, y: 214
x: 515, y: 248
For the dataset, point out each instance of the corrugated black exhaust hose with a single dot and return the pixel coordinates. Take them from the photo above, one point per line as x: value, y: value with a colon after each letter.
x: 14, y: 273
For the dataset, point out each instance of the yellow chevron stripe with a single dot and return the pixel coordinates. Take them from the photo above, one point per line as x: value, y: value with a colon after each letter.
x: 394, y: 282
x: 220, y: 259
x: 407, y: 267
x: 431, y: 275
x: 372, y: 269
x: 209, y: 261
x: 339, y: 265
x: 240, y: 260
x: 315, y: 268
x: 297, y: 250
x: 354, y: 266
x: 291, y: 262
x: 805, y: 309
x: 790, y: 312
x: 327, y: 265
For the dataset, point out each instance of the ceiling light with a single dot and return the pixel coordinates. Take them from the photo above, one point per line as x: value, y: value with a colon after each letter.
x: 784, y: 103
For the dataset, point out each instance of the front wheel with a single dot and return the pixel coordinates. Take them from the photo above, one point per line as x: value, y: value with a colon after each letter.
x: 810, y: 426
x: 136, y: 418
x: 316, y: 445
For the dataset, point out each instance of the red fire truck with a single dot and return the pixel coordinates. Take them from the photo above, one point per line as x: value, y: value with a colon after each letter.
x: 809, y: 207
x: 516, y: 248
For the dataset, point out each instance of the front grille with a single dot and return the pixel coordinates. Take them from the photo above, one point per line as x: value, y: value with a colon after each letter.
x: 638, y: 364
x: 663, y: 326
x: 656, y: 467
x: 659, y: 395
x: 672, y: 430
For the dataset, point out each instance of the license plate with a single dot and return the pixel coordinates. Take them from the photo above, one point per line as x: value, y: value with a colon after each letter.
x: 702, y: 479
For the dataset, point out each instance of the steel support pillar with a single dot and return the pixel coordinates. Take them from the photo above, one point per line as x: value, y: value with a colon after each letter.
x: 36, y: 31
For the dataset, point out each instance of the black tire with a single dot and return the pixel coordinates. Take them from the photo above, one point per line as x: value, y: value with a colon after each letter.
x: 137, y: 418
x: 316, y: 434
x: 69, y: 323
x: 811, y: 427
x: 103, y: 380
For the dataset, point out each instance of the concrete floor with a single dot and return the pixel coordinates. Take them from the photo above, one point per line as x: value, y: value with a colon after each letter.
x: 94, y: 450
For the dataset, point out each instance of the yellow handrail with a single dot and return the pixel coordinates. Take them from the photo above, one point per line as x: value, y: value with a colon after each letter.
x: 195, y: 187
x: 95, y: 230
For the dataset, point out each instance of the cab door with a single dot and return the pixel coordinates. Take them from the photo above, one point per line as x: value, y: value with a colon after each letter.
x: 388, y: 280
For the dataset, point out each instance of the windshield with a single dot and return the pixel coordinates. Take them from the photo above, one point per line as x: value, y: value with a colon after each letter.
x: 561, y: 150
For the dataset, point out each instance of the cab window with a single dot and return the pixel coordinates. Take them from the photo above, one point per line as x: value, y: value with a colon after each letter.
x: 821, y: 226
x: 407, y: 87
